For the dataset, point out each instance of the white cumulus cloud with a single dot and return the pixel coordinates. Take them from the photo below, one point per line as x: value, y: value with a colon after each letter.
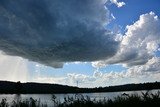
x: 118, y: 4
x: 139, y: 43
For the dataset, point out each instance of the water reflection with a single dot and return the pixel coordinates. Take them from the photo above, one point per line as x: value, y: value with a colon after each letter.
x: 47, y: 98
x: 17, y: 98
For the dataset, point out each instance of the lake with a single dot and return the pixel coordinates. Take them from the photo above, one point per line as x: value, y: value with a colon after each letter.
x: 46, y: 98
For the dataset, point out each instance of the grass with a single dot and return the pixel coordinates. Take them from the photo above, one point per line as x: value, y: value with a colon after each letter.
x: 146, y: 100
x: 134, y: 100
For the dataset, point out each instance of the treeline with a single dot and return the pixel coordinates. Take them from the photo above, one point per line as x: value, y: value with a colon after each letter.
x: 128, y: 87
x: 44, y: 88
x: 34, y: 88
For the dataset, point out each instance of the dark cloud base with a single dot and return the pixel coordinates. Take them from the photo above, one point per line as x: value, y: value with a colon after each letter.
x: 55, y: 31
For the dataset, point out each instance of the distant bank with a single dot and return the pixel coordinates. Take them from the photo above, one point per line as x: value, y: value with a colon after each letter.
x: 7, y: 87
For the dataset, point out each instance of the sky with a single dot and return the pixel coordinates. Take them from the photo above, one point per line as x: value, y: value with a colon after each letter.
x: 96, y: 43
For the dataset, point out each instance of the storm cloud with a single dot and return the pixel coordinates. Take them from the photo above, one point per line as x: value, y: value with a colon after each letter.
x: 52, y: 32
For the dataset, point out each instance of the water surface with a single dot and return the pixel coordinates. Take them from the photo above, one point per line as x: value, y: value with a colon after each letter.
x: 46, y: 98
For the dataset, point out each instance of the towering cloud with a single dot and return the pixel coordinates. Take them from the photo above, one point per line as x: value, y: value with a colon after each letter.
x: 139, y: 43
x: 52, y: 32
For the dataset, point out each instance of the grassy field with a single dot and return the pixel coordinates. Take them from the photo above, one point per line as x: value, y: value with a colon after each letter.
x: 146, y: 100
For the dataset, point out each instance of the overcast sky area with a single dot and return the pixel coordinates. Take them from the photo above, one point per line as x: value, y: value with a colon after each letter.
x: 95, y: 42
